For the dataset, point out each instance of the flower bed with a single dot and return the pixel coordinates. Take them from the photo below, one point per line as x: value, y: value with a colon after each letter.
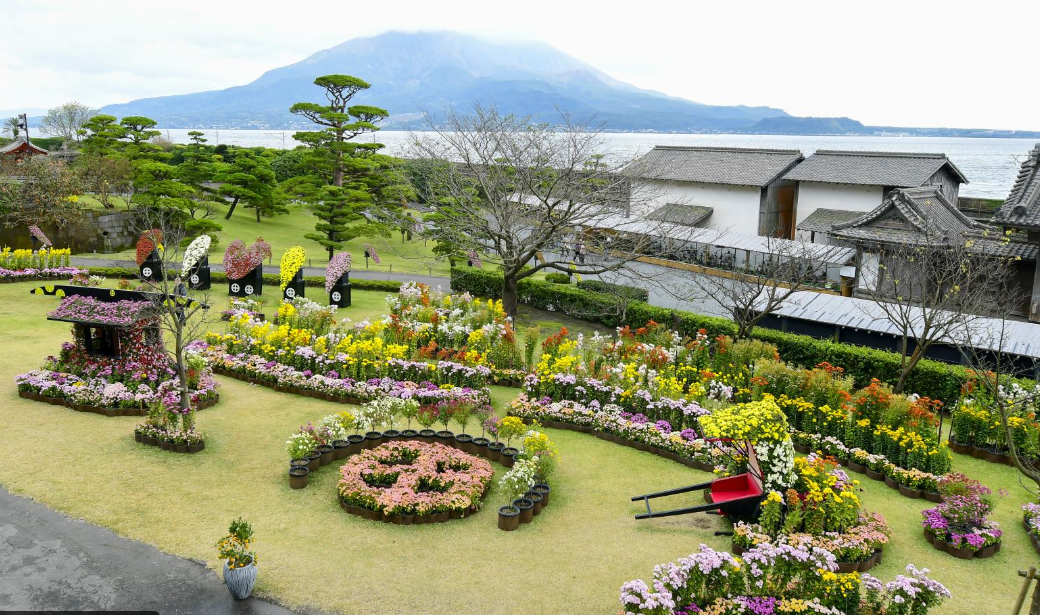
x: 820, y: 509
x: 47, y: 273
x: 405, y: 482
x: 959, y: 525
x: 331, y: 387
x: 611, y: 423
x: 1031, y: 521
x: 101, y: 395
x: 775, y: 578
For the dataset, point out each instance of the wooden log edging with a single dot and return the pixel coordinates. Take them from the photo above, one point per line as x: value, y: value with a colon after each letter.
x: 1033, y: 540
x: 59, y: 401
x: 639, y: 446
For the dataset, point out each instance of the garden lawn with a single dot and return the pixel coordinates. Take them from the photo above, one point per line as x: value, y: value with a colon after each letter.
x: 572, y: 559
x: 287, y: 230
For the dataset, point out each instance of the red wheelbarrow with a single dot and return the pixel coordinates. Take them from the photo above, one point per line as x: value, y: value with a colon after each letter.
x: 733, y: 496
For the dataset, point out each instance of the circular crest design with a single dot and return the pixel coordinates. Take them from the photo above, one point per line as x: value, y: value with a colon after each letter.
x: 194, y: 279
x: 235, y: 287
x: 336, y: 296
x: 249, y: 289
x: 146, y: 272
x: 290, y: 292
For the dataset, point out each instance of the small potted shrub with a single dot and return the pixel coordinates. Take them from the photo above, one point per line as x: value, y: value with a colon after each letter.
x: 239, y: 561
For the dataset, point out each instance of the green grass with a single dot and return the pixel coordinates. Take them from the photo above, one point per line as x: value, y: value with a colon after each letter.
x: 288, y: 230
x: 572, y: 559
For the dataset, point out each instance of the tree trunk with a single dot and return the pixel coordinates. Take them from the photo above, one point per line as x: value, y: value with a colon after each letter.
x: 908, y: 366
x: 509, y: 296
x: 258, y: 214
x: 232, y: 209
x: 337, y: 168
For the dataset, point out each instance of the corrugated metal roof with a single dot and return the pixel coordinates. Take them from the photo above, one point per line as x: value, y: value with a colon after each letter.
x: 714, y: 165
x: 1019, y: 338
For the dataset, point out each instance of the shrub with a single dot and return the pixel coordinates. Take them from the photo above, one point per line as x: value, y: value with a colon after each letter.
x: 930, y: 378
x: 558, y: 278
x: 633, y: 293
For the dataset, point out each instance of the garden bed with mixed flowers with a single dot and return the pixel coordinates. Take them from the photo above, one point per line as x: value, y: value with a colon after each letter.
x: 306, y: 343
x: 773, y: 579
x: 413, y: 482
x: 821, y: 509
x: 959, y: 525
x: 42, y: 264
x: 126, y: 380
x: 976, y: 427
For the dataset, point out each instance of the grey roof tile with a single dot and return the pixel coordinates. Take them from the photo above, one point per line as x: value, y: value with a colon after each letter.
x: 823, y: 219
x: 677, y: 213
x: 714, y: 165
x: 897, y: 169
x: 1022, y: 207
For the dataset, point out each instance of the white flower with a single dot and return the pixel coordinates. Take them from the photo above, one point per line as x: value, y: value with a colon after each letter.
x: 194, y: 253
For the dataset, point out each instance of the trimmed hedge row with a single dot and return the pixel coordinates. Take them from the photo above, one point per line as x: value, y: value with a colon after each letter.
x: 632, y: 293
x: 930, y: 378
x: 218, y: 277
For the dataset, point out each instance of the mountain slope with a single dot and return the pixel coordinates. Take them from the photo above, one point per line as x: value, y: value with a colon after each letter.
x: 429, y: 71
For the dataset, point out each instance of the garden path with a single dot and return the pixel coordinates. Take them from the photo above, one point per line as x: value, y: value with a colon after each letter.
x: 49, y: 561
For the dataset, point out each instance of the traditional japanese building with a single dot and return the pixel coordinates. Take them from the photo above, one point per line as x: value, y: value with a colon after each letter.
x: 20, y: 149
x: 1021, y: 212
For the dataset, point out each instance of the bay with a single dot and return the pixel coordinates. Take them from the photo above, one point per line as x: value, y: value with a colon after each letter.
x: 989, y: 164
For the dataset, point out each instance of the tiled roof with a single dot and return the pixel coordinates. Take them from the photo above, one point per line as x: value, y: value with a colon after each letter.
x: 13, y: 145
x: 714, y: 165
x: 1022, y: 207
x: 931, y: 219
x: 896, y: 169
x: 676, y: 213
x: 823, y: 219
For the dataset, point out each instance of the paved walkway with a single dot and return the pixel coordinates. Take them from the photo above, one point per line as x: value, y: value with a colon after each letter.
x: 50, y: 562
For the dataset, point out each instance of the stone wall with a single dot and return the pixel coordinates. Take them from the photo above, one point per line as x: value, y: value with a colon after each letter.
x: 94, y: 230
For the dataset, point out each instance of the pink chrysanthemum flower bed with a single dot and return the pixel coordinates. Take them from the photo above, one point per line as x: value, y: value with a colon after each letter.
x: 414, y: 478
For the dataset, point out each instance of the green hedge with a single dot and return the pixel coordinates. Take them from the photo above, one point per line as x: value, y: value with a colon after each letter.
x: 632, y: 293
x: 218, y: 277
x: 929, y: 378
x: 558, y: 278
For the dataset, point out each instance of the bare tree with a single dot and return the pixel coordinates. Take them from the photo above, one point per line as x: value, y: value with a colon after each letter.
x: 985, y: 347
x: 931, y: 291
x: 183, y: 318
x: 67, y: 120
x: 530, y: 197
x: 758, y: 282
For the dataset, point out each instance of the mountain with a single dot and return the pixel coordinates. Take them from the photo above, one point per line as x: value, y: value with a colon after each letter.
x: 789, y: 125
x: 429, y: 71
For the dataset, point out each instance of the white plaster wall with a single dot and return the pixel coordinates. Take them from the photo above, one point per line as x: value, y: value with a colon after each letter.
x: 735, y: 207
x: 849, y: 197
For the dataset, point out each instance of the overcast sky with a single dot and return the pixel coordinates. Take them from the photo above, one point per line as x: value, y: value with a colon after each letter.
x: 905, y: 63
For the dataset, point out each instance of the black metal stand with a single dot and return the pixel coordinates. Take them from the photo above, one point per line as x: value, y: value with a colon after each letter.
x: 295, y: 287
x: 339, y: 296
x: 251, y: 284
x: 199, y: 275
x: 152, y: 268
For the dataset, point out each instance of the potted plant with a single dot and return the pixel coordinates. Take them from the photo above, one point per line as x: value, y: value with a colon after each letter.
x: 426, y: 417
x: 409, y: 410
x: 462, y: 414
x: 239, y: 561
x: 514, y: 484
x: 299, y: 446
x: 484, y: 416
x: 445, y: 412
x: 298, y: 476
x: 510, y: 427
